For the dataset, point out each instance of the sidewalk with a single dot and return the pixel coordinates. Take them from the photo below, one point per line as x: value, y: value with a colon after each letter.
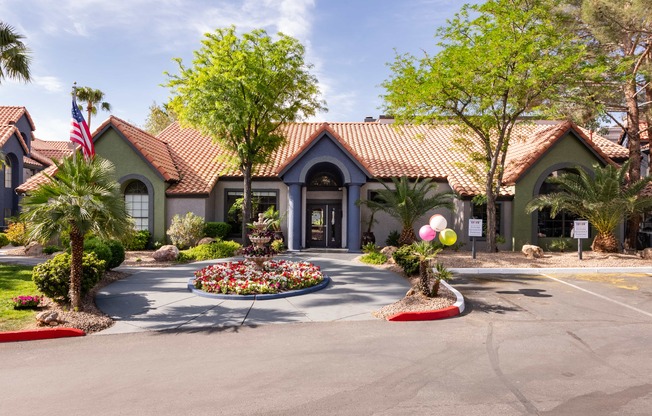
x: 156, y: 299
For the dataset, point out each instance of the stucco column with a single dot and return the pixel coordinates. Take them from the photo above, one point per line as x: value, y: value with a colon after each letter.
x: 353, y: 219
x: 294, y: 217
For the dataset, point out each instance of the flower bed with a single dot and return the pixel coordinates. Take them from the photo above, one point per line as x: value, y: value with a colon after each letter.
x: 242, y: 278
x: 25, y: 302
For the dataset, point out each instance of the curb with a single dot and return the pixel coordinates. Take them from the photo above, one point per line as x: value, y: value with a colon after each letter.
x: 264, y: 296
x: 535, y: 271
x: 454, y: 310
x: 36, y: 334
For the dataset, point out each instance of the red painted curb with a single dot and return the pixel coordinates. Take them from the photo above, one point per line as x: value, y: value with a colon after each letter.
x: 426, y: 315
x: 45, y: 333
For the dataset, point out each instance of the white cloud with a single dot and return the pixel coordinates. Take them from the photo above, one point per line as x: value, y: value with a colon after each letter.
x: 49, y: 83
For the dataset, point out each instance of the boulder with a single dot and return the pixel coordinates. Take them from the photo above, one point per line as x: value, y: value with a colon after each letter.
x: 532, y: 251
x: 206, y: 240
x: 166, y: 253
x: 389, y: 252
x: 33, y: 249
x: 647, y: 253
x: 48, y: 318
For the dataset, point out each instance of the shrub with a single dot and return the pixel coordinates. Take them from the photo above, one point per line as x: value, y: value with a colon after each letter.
x: 278, y: 246
x: 408, y: 261
x: 117, y: 253
x: 186, y: 231
x: 370, y: 248
x: 216, y: 250
x: 392, y: 238
x: 17, y: 234
x: 374, y: 258
x: 218, y: 230
x: 560, y: 244
x: 3, y: 239
x: 100, y: 248
x: 139, y: 240
x: 53, y: 276
x: 51, y: 249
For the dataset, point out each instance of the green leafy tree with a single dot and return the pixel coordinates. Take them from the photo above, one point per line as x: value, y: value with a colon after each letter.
x: 93, y: 98
x: 82, y: 197
x: 159, y: 117
x: 240, y: 90
x: 499, y: 60
x: 14, y: 55
x: 603, y: 199
x: 618, y: 34
x: 408, y: 202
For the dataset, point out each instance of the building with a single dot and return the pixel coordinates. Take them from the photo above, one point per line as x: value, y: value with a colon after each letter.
x: 316, y: 178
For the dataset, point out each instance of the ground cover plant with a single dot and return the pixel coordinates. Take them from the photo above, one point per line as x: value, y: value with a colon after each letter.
x: 15, y: 281
x: 243, y: 278
x: 216, y: 250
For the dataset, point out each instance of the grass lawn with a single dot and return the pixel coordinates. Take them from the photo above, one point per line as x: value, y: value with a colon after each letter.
x: 15, y: 281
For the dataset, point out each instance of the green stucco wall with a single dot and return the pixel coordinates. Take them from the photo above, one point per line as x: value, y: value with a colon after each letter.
x: 112, y: 146
x: 569, y: 151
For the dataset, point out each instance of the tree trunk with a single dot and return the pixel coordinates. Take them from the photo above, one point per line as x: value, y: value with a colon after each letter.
x: 246, y: 206
x: 605, y: 243
x: 407, y: 236
x: 491, y: 218
x: 634, y: 146
x: 77, y: 253
x: 89, y: 108
x: 424, y: 265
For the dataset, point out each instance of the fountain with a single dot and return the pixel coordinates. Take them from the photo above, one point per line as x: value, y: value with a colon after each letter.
x: 260, y: 236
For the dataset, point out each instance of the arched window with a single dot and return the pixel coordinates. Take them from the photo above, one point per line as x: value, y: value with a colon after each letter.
x: 562, y: 224
x: 137, y: 201
x: 8, y: 174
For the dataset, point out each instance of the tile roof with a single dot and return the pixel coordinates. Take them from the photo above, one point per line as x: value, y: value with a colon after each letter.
x: 6, y: 131
x: 54, y: 150
x: 155, y: 151
x: 36, y: 180
x: 11, y: 115
x: 32, y: 163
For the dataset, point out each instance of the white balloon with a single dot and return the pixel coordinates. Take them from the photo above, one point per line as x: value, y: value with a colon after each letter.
x: 438, y: 222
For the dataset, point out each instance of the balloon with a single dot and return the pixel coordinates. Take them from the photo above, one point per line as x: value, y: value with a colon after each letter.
x: 447, y: 237
x: 426, y: 233
x: 438, y: 222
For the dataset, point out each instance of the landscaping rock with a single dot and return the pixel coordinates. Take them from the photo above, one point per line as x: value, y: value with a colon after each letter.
x: 532, y: 251
x: 389, y: 252
x: 48, y: 318
x: 206, y: 240
x: 33, y: 249
x: 166, y: 253
x: 647, y: 253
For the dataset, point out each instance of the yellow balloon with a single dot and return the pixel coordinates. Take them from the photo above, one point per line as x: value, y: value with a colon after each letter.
x: 447, y: 237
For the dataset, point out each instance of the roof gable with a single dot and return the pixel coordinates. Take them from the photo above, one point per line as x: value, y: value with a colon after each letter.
x: 11, y: 115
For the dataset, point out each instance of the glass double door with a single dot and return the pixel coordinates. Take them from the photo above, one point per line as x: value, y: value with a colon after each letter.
x: 324, y: 225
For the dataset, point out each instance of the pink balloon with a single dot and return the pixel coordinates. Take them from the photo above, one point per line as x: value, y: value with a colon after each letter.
x: 426, y: 233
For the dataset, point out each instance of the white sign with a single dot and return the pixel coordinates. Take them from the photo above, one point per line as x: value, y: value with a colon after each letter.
x: 581, y: 229
x: 475, y: 227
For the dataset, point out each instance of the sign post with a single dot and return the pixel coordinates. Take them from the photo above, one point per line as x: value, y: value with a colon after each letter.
x: 475, y: 230
x: 580, y: 231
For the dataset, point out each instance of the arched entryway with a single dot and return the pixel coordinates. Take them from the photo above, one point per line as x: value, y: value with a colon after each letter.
x: 324, y: 185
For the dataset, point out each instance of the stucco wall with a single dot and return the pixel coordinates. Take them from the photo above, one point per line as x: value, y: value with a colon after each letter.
x: 566, y: 153
x: 112, y: 146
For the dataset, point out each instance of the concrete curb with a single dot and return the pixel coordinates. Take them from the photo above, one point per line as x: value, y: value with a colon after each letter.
x: 454, y: 310
x: 531, y: 270
x: 44, y: 333
x: 264, y: 296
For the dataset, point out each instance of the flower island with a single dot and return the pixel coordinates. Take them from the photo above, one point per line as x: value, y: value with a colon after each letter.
x: 258, y: 276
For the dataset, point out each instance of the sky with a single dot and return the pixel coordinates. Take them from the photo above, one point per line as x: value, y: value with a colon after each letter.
x: 124, y: 48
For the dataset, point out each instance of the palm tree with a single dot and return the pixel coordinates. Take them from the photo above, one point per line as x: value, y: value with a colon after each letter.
x: 81, y: 197
x: 14, y: 55
x: 92, y: 98
x: 407, y: 203
x: 604, y: 199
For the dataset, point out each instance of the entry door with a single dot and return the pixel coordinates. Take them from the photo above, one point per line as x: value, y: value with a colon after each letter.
x: 324, y: 225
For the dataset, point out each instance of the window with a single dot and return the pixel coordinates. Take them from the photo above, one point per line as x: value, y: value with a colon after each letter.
x: 137, y: 202
x: 562, y: 224
x: 8, y: 174
x: 323, y: 180
x: 260, y: 202
x: 480, y: 212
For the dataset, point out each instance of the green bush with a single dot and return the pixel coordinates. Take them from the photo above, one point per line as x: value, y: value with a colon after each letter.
x: 370, y: 248
x: 17, y: 234
x: 218, y: 230
x: 216, y: 250
x: 117, y: 253
x: 374, y: 258
x: 51, y: 249
x: 100, y: 248
x: 406, y: 260
x: 392, y: 238
x: 53, y: 276
x: 139, y: 240
x: 185, y: 231
x: 3, y: 240
x: 278, y: 246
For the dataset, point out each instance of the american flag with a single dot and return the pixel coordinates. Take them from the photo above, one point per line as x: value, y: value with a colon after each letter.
x: 79, y: 132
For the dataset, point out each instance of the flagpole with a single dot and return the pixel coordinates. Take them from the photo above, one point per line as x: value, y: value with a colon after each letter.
x: 74, y: 99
